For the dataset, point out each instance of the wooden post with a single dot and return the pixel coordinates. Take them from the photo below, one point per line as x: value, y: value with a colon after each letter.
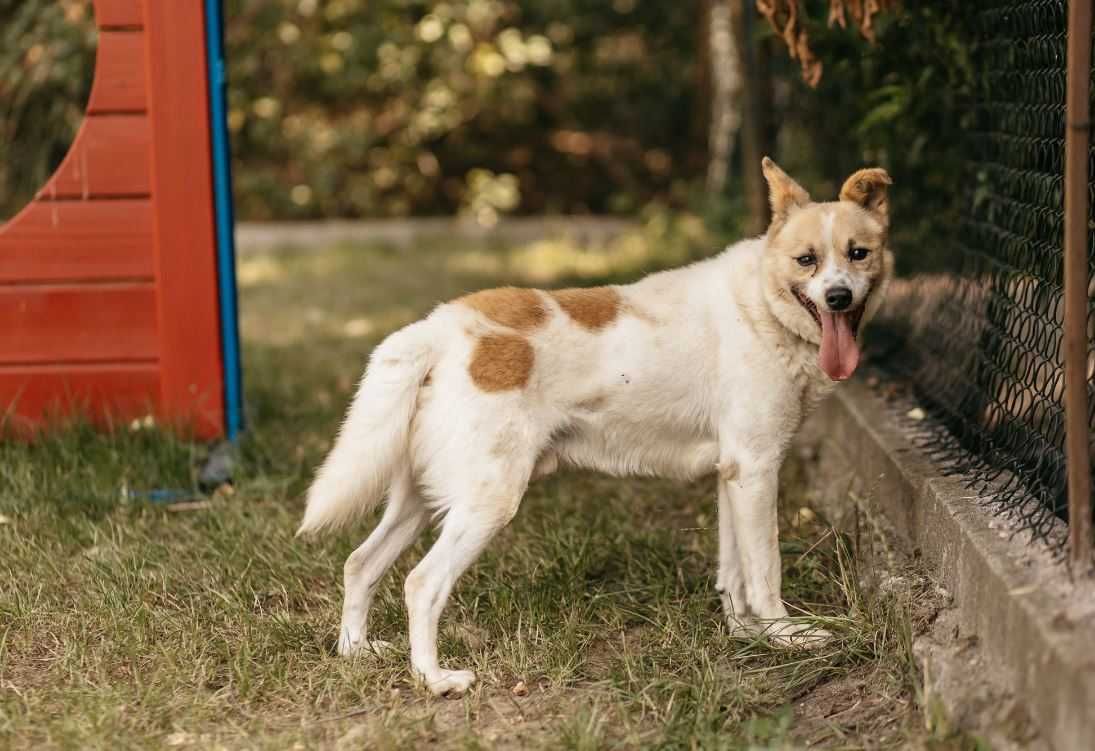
x: 1077, y: 136
x: 185, y: 243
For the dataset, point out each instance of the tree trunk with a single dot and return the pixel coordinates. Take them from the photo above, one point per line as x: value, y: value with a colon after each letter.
x: 758, y: 131
x: 725, y: 77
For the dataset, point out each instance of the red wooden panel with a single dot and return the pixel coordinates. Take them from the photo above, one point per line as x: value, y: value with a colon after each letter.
x: 68, y: 240
x: 106, y: 393
x: 119, y: 73
x: 70, y: 322
x: 185, y: 242
x: 109, y: 13
x: 109, y: 157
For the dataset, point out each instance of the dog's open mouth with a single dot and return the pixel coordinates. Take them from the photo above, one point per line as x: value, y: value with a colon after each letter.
x: 838, y: 355
x: 855, y: 315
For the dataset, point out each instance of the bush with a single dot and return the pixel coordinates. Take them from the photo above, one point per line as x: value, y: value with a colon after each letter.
x: 367, y: 108
x: 359, y: 107
x: 903, y: 102
x: 47, y: 51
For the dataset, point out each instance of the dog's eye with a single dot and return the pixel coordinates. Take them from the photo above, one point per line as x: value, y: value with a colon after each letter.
x: 808, y: 259
x: 858, y: 254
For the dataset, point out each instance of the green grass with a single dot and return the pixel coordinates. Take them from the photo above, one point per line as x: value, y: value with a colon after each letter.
x: 126, y: 624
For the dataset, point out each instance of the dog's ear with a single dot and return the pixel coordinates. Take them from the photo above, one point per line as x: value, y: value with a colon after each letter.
x: 784, y: 193
x: 870, y: 189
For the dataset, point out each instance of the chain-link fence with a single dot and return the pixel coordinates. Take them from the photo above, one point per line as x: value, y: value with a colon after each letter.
x: 983, y: 342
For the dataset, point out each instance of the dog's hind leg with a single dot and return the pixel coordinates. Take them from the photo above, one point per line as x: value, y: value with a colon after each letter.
x: 404, y: 519
x: 472, y: 520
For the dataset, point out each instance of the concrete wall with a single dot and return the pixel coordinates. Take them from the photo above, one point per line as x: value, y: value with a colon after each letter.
x: 1034, y: 627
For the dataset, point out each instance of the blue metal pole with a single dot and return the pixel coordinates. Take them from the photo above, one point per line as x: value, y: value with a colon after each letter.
x: 225, y: 217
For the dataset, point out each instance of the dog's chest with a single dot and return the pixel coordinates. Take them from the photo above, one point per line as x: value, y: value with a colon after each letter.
x: 812, y: 384
x: 769, y: 384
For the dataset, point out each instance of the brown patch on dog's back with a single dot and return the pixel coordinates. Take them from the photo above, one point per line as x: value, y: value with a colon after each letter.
x: 512, y: 307
x: 590, y: 307
x: 501, y: 362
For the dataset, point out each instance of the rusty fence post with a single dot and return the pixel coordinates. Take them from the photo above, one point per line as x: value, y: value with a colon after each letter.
x: 1077, y: 138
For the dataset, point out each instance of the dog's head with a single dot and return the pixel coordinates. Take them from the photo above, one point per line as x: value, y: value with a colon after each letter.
x: 827, y: 264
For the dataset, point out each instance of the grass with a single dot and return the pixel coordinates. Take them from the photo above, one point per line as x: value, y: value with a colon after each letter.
x: 125, y: 623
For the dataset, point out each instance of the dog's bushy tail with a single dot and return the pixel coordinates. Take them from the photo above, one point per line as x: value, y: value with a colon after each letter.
x: 374, y: 439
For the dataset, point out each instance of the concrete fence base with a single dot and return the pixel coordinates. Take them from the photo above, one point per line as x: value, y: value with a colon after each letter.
x: 1033, y: 628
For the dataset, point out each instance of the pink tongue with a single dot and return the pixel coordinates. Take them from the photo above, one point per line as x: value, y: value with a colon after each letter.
x: 839, y: 353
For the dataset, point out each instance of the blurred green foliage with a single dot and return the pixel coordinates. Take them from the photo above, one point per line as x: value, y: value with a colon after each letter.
x: 350, y: 108
x: 397, y: 107
x: 47, y: 55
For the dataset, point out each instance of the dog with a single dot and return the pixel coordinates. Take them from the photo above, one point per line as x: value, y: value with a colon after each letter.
x: 706, y: 369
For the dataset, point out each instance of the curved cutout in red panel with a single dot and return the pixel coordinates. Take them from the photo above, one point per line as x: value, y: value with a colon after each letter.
x: 108, y: 281
x: 108, y: 159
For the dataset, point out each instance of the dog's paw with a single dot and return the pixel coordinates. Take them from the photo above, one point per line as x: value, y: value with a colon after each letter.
x: 793, y: 635
x: 451, y: 683
x: 350, y: 648
x: 742, y: 627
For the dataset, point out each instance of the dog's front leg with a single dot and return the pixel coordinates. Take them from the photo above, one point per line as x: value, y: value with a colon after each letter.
x: 731, y: 579
x: 752, y: 495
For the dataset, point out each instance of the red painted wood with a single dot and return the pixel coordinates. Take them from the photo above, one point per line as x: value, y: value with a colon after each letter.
x: 119, y: 73
x: 53, y: 323
x: 108, y: 297
x: 106, y: 393
x: 191, y: 375
x: 127, y: 13
x: 109, y: 157
x: 77, y: 240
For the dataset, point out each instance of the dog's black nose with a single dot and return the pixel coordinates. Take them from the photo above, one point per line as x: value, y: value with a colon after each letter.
x: 838, y: 298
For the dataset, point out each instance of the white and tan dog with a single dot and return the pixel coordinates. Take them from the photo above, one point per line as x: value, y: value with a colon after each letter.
x: 710, y: 367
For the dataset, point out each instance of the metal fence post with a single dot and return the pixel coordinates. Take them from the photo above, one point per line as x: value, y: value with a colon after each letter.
x: 1077, y: 135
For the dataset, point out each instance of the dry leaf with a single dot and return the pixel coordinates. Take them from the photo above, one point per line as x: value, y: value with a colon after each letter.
x: 785, y: 18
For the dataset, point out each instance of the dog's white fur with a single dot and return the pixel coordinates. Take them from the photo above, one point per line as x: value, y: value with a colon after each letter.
x: 708, y: 367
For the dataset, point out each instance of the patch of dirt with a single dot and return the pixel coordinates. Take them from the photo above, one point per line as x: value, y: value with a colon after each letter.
x: 496, y: 718
x: 863, y: 704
